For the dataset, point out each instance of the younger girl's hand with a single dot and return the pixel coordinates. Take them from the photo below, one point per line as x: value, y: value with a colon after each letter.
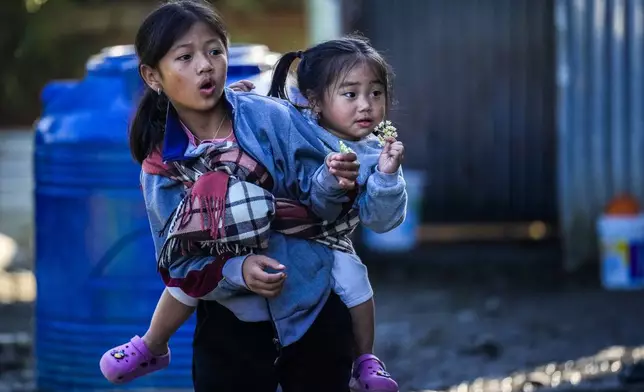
x: 243, y: 86
x: 391, y: 156
x: 345, y: 167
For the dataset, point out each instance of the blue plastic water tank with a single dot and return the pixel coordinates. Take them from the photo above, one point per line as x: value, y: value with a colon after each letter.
x: 95, y: 265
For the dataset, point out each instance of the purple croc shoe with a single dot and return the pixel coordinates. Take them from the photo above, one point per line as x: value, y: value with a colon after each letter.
x: 369, y: 375
x: 131, y: 360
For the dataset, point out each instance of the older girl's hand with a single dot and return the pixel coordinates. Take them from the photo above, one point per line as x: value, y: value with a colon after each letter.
x: 259, y: 281
x: 345, y: 167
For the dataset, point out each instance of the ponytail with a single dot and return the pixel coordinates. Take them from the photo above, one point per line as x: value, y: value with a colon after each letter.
x: 146, y: 130
x: 280, y: 74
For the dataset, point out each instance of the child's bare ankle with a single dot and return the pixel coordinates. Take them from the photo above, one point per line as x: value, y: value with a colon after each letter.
x: 156, y: 346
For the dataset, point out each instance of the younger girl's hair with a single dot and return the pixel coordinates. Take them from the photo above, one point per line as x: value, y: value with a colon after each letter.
x: 158, y: 32
x: 324, y: 65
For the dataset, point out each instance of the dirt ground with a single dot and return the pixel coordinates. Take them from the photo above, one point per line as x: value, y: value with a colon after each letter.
x: 473, y: 330
x: 439, y: 329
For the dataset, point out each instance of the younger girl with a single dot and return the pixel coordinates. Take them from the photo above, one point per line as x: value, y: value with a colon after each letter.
x: 347, y: 86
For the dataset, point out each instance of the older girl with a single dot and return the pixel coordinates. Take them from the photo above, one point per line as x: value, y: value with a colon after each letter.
x: 248, y: 338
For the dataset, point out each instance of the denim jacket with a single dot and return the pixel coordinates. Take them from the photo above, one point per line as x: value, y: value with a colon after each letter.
x: 280, y: 138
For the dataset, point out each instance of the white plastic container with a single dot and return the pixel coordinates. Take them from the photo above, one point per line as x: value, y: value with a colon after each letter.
x: 621, y: 241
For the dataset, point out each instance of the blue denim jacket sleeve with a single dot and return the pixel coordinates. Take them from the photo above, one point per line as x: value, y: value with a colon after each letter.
x: 162, y: 195
x: 319, y: 189
x: 382, y: 203
x: 276, y: 134
x: 327, y: 197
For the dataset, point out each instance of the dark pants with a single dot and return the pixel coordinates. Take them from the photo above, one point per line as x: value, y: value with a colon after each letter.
x: 234, y: 356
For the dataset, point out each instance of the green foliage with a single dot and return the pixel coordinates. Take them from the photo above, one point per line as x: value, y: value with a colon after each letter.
x: 55, y: 39
x: 39, y: 47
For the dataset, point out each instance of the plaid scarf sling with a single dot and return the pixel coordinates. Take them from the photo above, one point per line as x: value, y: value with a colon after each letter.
x: 228, y: 209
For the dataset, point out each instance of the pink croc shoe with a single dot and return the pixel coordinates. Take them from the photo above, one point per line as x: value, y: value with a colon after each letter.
x: 369, y: 375
x: 131, y: 360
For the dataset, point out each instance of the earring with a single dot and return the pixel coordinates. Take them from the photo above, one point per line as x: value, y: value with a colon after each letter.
x: 159, y: 90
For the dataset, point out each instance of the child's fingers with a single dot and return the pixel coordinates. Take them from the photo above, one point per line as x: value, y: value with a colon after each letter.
x: 396, y: 148
x: 248, y: 84
x: 242, y: 85
x: 387, y: 147
x: 344, y: 165
x: 346, y: 157
x: 390, y: 139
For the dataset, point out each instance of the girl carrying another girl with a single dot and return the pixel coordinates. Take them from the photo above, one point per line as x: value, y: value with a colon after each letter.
x: 214, y: 150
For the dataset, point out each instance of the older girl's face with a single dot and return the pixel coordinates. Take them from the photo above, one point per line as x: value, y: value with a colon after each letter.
x: 193, y: 72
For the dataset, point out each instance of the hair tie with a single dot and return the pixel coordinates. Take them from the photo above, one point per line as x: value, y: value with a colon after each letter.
x: 298, y: 54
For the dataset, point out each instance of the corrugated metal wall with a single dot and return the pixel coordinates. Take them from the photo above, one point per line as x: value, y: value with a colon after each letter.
x: 476, y: 89
x: 601, y: 113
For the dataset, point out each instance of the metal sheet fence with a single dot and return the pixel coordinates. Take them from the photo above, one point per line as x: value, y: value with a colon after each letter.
x: 600, y: 59
x: 475, y: 85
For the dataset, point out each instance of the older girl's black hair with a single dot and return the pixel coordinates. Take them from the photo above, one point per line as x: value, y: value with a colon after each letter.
x: 156, y: 35
x: 324, y: 65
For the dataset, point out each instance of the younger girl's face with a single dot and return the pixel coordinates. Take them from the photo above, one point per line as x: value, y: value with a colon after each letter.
x: 355, y: 106
x: 193, y: 72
